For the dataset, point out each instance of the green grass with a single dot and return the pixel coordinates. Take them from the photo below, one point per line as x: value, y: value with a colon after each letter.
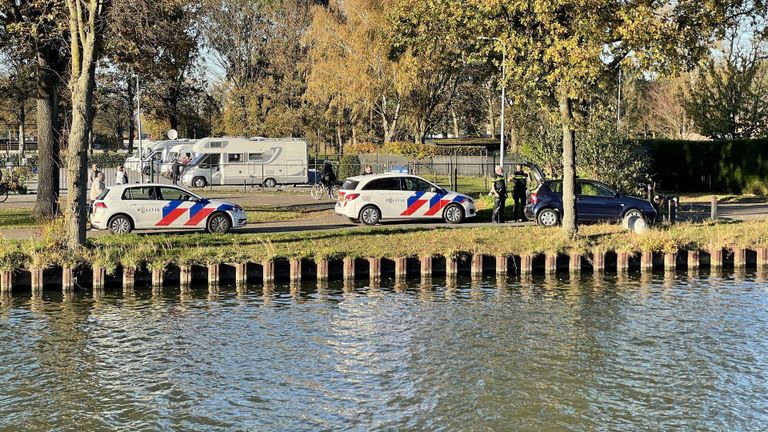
x: 17, y: 218
x: 157, y: 251
x: 277, y: 214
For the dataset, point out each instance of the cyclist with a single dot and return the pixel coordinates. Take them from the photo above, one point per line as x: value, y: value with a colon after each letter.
x: 328, y: 178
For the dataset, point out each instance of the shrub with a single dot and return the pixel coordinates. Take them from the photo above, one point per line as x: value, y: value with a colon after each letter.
x: 349, y: 166
x: 362, y: 148
x: 756, y: 186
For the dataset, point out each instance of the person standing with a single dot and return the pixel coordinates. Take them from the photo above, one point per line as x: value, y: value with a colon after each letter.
x: 93, y: 173
x: 499, y: 192
x: 97, y: 186
x: 520, y: 185
x: 175, y: 170
x: 121, y: 177
x: 368, y: 170
x: 328, y: 178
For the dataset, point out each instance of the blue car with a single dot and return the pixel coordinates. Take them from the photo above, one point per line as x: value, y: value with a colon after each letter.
x: 595, y: 202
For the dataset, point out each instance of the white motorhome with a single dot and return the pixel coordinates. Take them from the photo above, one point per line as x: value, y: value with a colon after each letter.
x: 237, y: 161
x: 153, y: 153
x: 179, y: 153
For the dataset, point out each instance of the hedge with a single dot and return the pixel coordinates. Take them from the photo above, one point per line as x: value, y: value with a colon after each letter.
x: 731, y: 166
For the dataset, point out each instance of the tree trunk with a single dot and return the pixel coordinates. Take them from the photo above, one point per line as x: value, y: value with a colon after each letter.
x: 174, y: 121
x: 569, y: 220
x: 22, y: 132
x: 514, y: 140
x: 46, y: 201
x: 132, y: 119
x: 455, y: 119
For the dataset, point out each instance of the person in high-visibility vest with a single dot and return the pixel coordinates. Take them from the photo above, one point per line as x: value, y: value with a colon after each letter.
x: 519, y: 181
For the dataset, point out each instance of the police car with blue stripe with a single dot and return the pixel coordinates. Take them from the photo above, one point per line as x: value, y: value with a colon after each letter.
x: 123, y: 208
x: 371, y: 198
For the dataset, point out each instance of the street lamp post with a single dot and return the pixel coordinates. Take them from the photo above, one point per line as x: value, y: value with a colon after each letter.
x: 138, y: 121
x: 503, y: 93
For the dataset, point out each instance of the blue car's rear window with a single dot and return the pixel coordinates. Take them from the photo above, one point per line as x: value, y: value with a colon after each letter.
x: 555, y: 187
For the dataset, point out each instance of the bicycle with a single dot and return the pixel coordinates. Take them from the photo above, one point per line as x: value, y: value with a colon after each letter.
x: 319, y: 190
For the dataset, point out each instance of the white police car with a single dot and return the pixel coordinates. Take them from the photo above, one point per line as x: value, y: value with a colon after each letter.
x: 123, y: 208
x: 371, y: 198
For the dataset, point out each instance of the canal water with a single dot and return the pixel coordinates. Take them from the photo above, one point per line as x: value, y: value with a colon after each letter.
x: 657, y: 352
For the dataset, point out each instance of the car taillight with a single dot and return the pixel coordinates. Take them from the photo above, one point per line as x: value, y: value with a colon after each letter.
x: 350, y: 197
x: 99, y: 205
x: 534, y: 198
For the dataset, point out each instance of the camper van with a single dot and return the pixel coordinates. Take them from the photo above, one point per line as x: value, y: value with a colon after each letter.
x: 153, y: 153
x: 238, y: 161
x: 176, y: 153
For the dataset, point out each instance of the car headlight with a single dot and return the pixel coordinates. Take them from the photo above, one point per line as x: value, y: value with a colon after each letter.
x: 238, y: 209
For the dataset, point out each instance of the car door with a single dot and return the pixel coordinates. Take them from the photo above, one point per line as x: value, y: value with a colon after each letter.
x: 425, y: 200
x: 142, y: 206
x: 596, y: 202
x: 386, y: 194
x: 178, y: 207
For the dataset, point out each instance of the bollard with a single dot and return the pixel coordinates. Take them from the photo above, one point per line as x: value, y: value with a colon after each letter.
x: 574, y: 263
x: 6, y: 280
x: 762, y: 257
x: 268, y: 271
x: 426, y: 266
x: 646, y: 261
x: 400, y: 268
x: 693, y: 260
x: 37, y: 279
x: 295, y: 270
x: 713, y: 208
x: 526, y: 264
x: 99, y: 277
x: 501, y: 265
x: 214, y: 275
x: 716, y: 258
x: 476, y: 269
x: 622, y: 262
x: 322, y: 269
x: 349, y: 268
x: 129, y: 277
x: 598, y: 261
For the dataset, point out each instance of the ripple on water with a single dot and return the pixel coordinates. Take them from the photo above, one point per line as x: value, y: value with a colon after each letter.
x: 611, y: 353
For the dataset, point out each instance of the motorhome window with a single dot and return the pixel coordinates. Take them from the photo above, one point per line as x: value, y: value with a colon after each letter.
x: 236, y: 157
x: 255, y: 157
x: 215, y: 144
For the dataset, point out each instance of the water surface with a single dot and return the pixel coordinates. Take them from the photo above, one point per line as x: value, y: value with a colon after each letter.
x: 606, y: 353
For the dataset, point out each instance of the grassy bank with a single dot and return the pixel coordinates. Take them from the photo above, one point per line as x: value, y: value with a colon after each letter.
x: 157, y: 251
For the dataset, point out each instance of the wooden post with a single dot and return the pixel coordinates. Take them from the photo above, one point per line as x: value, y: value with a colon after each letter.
x: 574, y: 263
x: 99, y: 277
x: 295, y: 266
x: 400, y: 268
x: 322, y: 269
x: 37, y: 279
x: 477, y: 266
x: 451, y: 266
x: 526, y: 264
x: 214, y: 274
x: 67, y: 278
x: 185, y: 276
x: 268, y: 271
x: 6, y: 281
x: 349, y: 268
x: 716, y: 258
x: 693, y: 261
x: 670, y: 261
x: 374, y: 268
x: 598, y: 261
x: 501, y: 265
x: 739, y: 258
x: 426, y: 266
x: 622, y: 262
x: 241, y: 273
x: 646, y: 261
x: 129, y: 277
x: 550, y: 263
x: 713, y: 208
x: 762, y: 257
x: 158, y: 275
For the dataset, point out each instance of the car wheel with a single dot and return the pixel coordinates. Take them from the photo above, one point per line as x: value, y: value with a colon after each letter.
x: 270, y: 183
x: 218, y: 223
x: 454, y: 214
x: 120, y: 224
x: 548, y: 217
x: 370, y: 215
x: 199, y: 182
x: 631, y: 217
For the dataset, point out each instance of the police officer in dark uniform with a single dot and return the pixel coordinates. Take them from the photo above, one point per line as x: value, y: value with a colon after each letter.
x: 520, y: 184
x: 499, y: 192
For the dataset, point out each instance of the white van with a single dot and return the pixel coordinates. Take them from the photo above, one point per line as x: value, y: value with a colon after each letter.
x: 238, y: 161
x: 178, y: 152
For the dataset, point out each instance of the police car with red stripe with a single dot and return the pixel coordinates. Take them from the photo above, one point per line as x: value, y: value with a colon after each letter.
x: 123, y: 208
x: 391, y: 196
